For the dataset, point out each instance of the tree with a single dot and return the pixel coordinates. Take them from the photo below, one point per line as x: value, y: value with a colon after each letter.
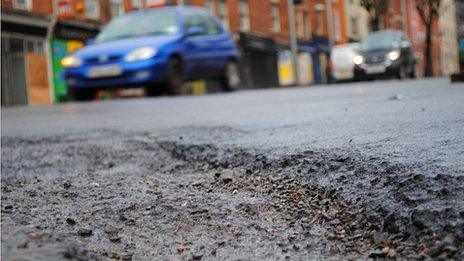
x: 428, y: 10
x: 375, y: 8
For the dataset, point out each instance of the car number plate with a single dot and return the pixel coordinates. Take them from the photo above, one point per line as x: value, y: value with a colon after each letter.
x: 104, y: 71
x: 344, y: 73
x: 375, y: 69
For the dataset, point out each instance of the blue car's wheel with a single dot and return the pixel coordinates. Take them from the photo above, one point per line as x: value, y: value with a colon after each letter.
x: 231, y: 80
x: 174, y: 76
x: 83, y: 94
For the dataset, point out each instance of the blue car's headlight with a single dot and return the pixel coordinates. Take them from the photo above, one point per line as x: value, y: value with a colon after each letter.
x: 71, y: 61
x: 141, y: 54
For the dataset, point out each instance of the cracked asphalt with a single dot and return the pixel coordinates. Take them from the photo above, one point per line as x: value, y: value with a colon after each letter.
x: 356, y: 170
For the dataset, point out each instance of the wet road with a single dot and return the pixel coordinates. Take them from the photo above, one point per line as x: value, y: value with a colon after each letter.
x: 420, y: 121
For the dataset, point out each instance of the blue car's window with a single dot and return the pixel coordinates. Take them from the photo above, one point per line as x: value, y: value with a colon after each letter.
x: 213, y: 27
x: 204, y: 22
x: 161, y: 22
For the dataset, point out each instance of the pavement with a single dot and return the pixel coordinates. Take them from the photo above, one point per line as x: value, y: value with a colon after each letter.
x: 345, y: 171
x: 413, y: 121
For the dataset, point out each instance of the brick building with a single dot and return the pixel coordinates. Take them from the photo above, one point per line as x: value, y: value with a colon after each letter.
x: 357, y: 20
x: 449, y: 50
x: 56, y: 28
x: 403, y: 15
x: 261, y: 29
x: 37, y: 34
x: 25, y: 27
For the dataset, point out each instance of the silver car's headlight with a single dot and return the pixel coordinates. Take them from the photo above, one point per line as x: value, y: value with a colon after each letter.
x: 141, y: 54
x: 393, y: 55
x: 358, y: 59
x: 71, y: 61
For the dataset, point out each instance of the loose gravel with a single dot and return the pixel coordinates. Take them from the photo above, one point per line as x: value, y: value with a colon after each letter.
x: 135, y: 197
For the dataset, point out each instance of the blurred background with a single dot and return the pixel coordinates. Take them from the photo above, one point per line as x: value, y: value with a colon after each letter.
x: 281, y: 43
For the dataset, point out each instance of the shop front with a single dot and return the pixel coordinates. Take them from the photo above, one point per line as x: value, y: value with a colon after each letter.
x: 24, y: 77
x: 312, y: 62
x: 259, y: 56
x: 68, y: 36
x: 319, y: 49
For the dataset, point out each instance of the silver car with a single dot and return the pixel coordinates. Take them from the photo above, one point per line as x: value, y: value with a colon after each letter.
x: 341, y: 60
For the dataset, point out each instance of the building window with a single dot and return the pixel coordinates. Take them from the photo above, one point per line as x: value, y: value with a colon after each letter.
x: 354, y: 26
x: 117, y: 7
x: 92, y: 9
x: 337, y: 30
x: 275, y: 17
x: 306, y: 25
x: 299, y: 24
x: 222, y: 13
x: 302, y: 24
x: 209, y: 5
x: 23, y: 4
x: 244, y: 14
x: 136, y: 4
x: 319, y: 24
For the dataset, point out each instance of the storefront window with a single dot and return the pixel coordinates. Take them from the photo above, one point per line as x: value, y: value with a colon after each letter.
x: 23, y: 45
x: 30, y: 46
x: 39, y: 47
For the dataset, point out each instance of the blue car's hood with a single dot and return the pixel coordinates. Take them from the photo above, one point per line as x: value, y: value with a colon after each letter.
x: 124, y: 46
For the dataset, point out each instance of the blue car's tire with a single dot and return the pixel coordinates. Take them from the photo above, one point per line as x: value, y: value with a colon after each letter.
x: 153, y: 90
x: 231, y: 81
x: 174, y: 80
x: 83, y: 94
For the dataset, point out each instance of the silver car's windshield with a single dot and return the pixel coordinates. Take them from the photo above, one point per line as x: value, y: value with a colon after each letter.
x: 381, y: 40
x: 160, y: 22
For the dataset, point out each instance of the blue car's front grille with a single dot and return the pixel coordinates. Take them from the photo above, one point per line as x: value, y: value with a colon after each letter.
x: 102, y: 59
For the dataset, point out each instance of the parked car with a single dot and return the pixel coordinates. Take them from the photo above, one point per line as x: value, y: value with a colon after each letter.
x: 385, y: 54
x: 341, y: 62
x: 154, y: 48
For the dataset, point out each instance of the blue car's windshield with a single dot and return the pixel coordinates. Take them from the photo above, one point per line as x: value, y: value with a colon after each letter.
x: 381, y: 40
x: 160, y: 22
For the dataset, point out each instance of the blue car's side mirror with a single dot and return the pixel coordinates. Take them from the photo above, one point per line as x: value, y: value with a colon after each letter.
x: 194, y: 30
x: 89, y: 41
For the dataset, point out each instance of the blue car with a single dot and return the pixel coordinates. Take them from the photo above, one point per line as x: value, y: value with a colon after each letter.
x: 158, y: 49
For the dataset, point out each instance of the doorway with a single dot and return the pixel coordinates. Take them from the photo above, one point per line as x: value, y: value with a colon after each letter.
x: 14, y: 76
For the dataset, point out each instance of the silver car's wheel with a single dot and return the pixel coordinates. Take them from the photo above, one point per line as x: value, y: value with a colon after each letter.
x: 402, y: 72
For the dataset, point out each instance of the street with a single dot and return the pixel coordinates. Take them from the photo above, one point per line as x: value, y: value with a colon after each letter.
x: 353, y: 170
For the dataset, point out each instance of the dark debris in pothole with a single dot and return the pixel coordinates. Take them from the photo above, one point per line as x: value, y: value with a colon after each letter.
x: 134, y: 197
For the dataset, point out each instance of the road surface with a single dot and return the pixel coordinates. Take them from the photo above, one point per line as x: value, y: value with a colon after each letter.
x: 388, y: 155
